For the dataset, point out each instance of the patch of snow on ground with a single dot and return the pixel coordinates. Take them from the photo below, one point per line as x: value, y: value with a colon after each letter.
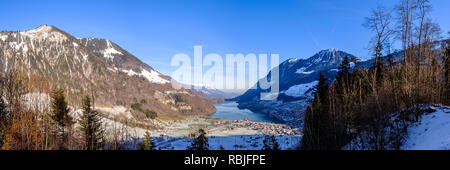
x: 300, y: 90
x: 36, y: 101
x: 293, y: 60
x: 270, y: 96
x: 4, y: 37
x: 302, y: 71
x: 112, y: 69
x: 151, y: 76
x: 85, y: 57
x: 432, y: 132
x: 333, y: 70
x: 112, y: 127
x: 116, y: 111
x: 352, y: 64
x: 110, y: 51
x: 130, y: 72
x: 18, y: 46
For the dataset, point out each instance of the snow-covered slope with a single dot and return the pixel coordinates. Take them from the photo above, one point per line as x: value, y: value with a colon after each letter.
x: 432, y: 132
x: 300, y: 90
x: 122, y: 60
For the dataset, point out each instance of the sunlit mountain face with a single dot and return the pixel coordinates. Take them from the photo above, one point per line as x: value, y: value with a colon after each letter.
x: 86, y: 65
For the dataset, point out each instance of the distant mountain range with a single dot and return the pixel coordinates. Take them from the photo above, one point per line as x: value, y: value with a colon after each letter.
x: 83, y: 65
x: 214, y: 93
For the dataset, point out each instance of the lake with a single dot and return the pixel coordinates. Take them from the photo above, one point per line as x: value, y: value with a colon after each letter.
x: 229, y: 111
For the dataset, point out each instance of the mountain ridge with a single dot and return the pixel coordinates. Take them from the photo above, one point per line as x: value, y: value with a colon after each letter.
x: 295, y: 90
x: 297, y: 78
x: 83, y: 65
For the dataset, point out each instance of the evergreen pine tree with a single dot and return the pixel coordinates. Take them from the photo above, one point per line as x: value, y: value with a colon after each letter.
x: 317, y: 119
x: 270, y: 143
x: 60, y: 114
x: 91, y: 126
x: 266, y: 144
x: 342, y: 78
x: 311, y: 130
x: 344, y: 69
x: 201, y: 142
x: 147, y: 142
x: 322, y: 91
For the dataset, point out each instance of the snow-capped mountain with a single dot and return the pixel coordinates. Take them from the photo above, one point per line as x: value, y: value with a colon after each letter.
x: 122, y: 60
x: 297, y: 80
x: 213, y: 93
x: 299, y: 76
x: 84, y: 65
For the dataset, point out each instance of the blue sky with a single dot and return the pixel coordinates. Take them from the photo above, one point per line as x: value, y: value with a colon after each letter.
x: 156, y: 30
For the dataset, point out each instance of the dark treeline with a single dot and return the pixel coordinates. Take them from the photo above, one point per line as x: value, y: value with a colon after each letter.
x: 360, y: 104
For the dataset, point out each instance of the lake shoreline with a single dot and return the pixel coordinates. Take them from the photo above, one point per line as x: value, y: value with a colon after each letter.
x: 228, y: 110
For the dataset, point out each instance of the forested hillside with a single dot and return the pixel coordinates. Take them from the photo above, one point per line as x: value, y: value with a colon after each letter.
x: 376, y: 105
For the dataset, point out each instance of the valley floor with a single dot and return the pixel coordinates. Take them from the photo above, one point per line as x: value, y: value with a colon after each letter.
x: 234, y: 142
x: 231, y: 135
x: 431, y: 132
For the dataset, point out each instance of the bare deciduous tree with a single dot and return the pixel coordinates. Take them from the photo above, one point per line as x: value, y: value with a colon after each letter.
x: 380, y: 23
x: 405, y: 11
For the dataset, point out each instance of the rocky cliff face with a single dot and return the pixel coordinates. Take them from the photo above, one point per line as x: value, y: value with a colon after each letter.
x: 83, y: 66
